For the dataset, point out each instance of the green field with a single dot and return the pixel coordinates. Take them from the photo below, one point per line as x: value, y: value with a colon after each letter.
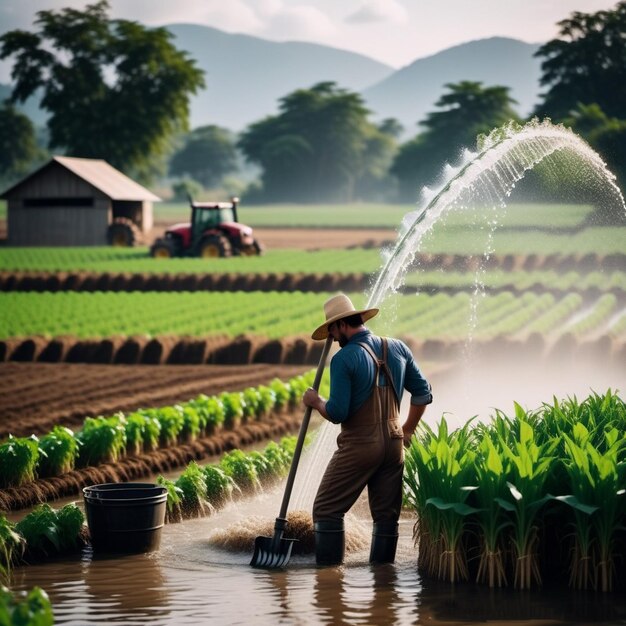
x: 383, y: 215
x: 275, y: 314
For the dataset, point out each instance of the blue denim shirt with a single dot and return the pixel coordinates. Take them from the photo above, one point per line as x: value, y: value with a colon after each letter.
x: 352, y: 372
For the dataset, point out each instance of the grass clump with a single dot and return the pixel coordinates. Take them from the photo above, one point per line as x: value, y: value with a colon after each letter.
x: 59, y: 450
x: 18, y: 460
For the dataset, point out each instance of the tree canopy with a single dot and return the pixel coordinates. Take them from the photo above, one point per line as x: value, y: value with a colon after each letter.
x: 318, y: 147
x: 114, y: 89
x: 18, y: 143
x: 465, y: 111
x: 208, y: 154
x: 586, y: 64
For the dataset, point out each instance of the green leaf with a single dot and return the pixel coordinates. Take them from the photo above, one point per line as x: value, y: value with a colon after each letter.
x: 458, y: 507
x: 575, y: 503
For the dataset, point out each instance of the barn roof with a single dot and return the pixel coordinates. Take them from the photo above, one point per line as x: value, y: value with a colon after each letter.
x: 100, y: 175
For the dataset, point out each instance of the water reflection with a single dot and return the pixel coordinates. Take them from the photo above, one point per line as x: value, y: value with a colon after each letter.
x: 381, y: 594
x: 188, y: 582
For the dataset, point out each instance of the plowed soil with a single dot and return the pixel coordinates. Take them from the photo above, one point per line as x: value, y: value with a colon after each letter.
x: 36, y: 396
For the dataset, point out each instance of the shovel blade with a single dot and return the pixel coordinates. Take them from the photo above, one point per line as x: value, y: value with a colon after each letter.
x: 271, y: 552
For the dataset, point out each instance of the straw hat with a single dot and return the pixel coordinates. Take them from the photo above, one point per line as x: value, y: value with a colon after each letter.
x: 336, y: 308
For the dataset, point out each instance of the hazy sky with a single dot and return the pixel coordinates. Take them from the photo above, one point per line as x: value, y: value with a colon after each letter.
x: 395, y: 32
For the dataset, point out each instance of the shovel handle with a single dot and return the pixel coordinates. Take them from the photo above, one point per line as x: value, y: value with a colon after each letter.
x: 302, y: 434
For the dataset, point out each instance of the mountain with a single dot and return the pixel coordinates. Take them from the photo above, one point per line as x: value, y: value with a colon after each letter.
x: 246, y: 75
x: 411, y: 92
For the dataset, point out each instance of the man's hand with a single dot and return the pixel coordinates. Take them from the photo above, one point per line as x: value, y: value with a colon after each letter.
x: 311, y: 398
x: 408, y: 428
x: 315, y: 401
x: 408, y: 434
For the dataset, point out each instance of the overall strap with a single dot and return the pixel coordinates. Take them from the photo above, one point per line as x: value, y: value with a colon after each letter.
x: 382, y: 363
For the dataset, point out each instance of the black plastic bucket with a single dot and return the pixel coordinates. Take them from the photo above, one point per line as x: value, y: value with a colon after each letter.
x: 125, y: 517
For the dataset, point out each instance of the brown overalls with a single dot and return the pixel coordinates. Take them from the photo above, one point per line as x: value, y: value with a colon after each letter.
x: 370, y: 453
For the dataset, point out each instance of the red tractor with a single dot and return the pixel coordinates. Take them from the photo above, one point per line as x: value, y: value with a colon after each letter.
x: 213, y: 232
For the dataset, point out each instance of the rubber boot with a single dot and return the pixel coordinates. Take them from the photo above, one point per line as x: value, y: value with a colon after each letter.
x: 384, y: 542
x: 329, y: 542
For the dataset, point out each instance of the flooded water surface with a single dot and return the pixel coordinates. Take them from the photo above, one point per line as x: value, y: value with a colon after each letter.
x: 188, y: 581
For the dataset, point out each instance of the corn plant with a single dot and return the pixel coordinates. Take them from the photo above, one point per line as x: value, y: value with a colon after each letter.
x: 240, y: 467
x: 101, y: 440
x: 171, y: 420
x: 491, y: 471
x: 297, y: 386
x: 251, y: 402
x: 598, y: 500
x: 530, y: 465
x: 220, y: 487
x: 211, y: 411
x: 191, y: 423
x: 262, y: 465
x: 439, y: 478
x: 18, y: 460
x: 151, y: 431
x: 174, y: 500
x: 59, y: 450
x: 193, y: 490
x: 265, y: 401
x: 25, y: 609
x: 281, y: 392
x: 278, y: 458
x: 11, y: 546
x: 135, y: 424
x: 233, y: 404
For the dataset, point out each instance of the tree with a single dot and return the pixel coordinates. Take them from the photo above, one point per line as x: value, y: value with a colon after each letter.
x: 467, y: 110
x: 316, y: 148
x: 587, y: 64
x: 208, y: 155
x: 114, y: 89
x: 18, y: 143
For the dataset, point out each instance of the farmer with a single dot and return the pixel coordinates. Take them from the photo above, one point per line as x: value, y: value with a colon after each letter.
x: 367, y: 377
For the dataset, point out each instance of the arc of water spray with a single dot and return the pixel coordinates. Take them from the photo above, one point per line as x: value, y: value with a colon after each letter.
x: 507, y: 154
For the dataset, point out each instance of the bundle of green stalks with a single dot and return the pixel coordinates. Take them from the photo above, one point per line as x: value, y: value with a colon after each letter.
x: 488, y: 496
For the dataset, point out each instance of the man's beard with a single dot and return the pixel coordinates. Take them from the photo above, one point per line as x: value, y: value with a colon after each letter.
x: 343, y: 339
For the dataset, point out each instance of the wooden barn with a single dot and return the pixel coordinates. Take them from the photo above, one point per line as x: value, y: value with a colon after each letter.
x: 77, y: 202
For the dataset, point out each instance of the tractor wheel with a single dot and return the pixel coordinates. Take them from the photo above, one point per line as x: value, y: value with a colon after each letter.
x: 214, y: 246
x: 163, y: 249
x: 123, y: 233
x: 254, y: 249
x: 258, y: 248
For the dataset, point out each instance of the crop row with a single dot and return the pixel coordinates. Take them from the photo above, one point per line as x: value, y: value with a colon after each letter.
x: 274, y: 314
x: 135, y: 261
x: 107, y: 439
x: 197, y: 491
x: 422, y: 281
x: 490, y: 498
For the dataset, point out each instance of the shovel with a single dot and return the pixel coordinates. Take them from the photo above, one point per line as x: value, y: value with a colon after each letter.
x: 274, y: 552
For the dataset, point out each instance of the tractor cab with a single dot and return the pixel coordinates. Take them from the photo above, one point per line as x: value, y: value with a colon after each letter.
x: 210, y: 215
x: 214, y: 231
